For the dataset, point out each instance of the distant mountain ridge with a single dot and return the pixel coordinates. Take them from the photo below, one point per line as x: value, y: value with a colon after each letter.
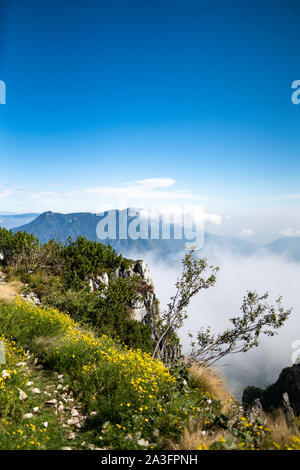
x: 289, y: 247
x: 62, y: 226
x: 10, y: 221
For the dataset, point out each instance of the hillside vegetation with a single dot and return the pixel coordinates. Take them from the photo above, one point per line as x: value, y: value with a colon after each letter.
x: 73, y: 380
x: 51, y: 225
x: 59, y: 275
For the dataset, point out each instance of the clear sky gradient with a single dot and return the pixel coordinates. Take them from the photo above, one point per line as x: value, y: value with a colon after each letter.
x: 195, y: 94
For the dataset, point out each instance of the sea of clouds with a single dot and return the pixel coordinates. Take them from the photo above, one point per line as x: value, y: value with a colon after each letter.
x: 213, y: 307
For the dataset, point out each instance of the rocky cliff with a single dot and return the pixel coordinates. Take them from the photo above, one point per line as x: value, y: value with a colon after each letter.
x: 146, y: 308
x: 275, y: 396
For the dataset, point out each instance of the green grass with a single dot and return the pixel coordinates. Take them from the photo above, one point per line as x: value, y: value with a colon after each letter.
x: 129, y: 400
x: 131, y: 395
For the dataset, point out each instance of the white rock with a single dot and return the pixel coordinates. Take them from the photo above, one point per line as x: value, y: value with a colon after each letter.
x: 51, y: 402
x: 143, y: 443
x: 102, y: 279
x: 28, y: 416
x: 22, y: 395
x: 71, y: 421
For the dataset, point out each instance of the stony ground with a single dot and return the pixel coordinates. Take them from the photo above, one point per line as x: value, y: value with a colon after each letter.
x: 54, y: 395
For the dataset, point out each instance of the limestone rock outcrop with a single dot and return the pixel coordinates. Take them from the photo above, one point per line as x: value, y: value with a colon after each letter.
x: 145, y: 308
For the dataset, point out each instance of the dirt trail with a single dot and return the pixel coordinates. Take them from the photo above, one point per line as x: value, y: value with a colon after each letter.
x: 8, y: 290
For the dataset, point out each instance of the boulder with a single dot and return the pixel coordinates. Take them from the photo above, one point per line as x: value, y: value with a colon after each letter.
x: 256, y: 412
x: 141, y: 268
x: 102, y: 279
x: 288, y: 410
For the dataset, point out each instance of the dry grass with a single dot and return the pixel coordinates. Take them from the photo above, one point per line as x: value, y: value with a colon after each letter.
x: 192, y: 439
x: 280, y: 432
x: 204, y: 378
x: 9, y: 291
x: 44, y: 343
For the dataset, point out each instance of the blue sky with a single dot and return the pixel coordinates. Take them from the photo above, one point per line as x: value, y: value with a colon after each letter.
x: 193, y: 95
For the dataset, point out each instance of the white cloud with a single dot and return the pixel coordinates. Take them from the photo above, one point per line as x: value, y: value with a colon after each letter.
x: 147, y: 189
x: 247, y: 232
x: 177, y: 212
x: 152, y: 183
x: 146, y: 193
x: 289, y: 232
x: 5, y: 192
x: 284, y: 197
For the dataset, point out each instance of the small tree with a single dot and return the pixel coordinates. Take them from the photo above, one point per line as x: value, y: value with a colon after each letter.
x: 258, y: 317
x: 191, y: 281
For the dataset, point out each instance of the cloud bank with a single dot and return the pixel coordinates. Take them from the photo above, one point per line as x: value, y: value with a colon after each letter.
x: 289, y: 232
x: 216, y: 305
x: 154, y: 191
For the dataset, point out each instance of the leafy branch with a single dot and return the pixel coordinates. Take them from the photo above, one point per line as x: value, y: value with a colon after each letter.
x: 258, y: 317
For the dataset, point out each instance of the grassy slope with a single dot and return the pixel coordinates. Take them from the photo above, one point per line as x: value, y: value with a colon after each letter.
x: 125, y: 390
x: 119, y: 398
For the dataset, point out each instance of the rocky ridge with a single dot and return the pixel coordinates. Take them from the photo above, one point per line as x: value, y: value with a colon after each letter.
x: 284, y: 394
